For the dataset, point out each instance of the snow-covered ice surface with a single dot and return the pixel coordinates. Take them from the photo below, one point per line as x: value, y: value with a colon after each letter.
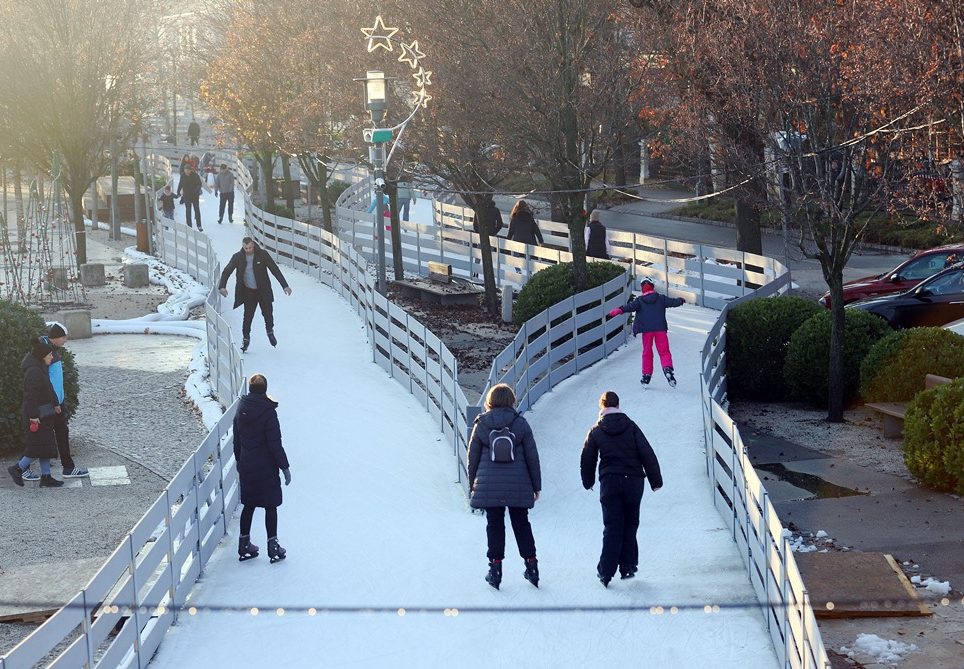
x: 374, y: 518
x: 885, y: 651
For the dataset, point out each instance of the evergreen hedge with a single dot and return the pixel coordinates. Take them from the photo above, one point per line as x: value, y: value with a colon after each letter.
x: 757, y: 338
x: 934, y: 437
x: 806, y: 370
x: 895, y: 367
x: 554, y: 284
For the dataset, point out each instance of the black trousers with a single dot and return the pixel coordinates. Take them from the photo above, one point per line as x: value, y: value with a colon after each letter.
x: 196, y: 205
x: 620, y: 497
x: 252, y: 300
x: 226, y: 199
x: 270, y: 520
x: 63, y: 441
x: 193, y: 140
x: 495, y: 531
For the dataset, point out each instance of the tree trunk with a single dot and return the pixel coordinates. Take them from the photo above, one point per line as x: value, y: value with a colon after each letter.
x: 76, y: 196
x: 266, y: 164
x: 289, y: 191
x: 835, y: 373
x: 317, y: 175
x: 479, y: 205
x: 748, y: 236
x: 18, y: 200
x: 115, y: 223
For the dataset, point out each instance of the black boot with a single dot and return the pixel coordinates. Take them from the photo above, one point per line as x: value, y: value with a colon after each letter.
x: 271, y: 338
x: 246, y: 549
x: 48, y: 481
x: 494, y: 577
x: 245, y: 343
x: 627, y: 572
x: 604, y: 579
x: 670, y: 377
x: 531, y: 573
x: 645, y: 379
x: 16, y: 474
x: 275, y: 551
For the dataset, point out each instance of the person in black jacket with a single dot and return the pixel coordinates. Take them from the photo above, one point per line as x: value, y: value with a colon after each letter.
x: 597, y: 242
x: 626, y: 460
x: 194, y: 132
x: 650, y: 320
x: 259, y: 456
x: 189, y: 188
x: 515, y: 484
x: 38, y: 410
x: 491, y: 218
x: 522, y: 225
x: 252, y: 287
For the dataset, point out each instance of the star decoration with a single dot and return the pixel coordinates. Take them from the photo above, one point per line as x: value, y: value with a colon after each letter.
x: 420, y: 98
x: 379, y: 35
x: 411, y: 54
x: 423, y: 77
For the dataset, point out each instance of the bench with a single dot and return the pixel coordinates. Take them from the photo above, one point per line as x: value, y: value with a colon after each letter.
x: 894, y: 412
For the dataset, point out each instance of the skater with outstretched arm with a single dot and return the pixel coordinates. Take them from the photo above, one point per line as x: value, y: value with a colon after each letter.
x: 260, y: 456
x: 626, y: 460
x: 650, y: 320
x: 252, y: 287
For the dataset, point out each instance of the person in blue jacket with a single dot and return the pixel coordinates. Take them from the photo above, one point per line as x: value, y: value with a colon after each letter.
x: 650, y: 320
x: 57, y: 337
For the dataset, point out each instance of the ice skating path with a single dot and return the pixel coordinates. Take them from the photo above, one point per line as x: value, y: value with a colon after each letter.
x: 374, y: 518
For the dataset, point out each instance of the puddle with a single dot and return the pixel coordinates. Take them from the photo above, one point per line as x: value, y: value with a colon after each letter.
x: 815, y: 485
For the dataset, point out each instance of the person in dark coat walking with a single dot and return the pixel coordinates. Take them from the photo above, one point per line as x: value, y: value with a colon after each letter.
x: 516, y: 484
x: 252, y: 287
x: 57, y: 337
x: 491, y: 219
x: 626, y: 460
x: 522, y: 225
x: 260, y: 456
x: 194, y: 132
x: 37, y: 411
x: 597, y: 241
x: 189, y: 188
x: 650, y: 320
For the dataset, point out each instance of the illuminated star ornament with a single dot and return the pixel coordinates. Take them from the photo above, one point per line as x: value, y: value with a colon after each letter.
x: 411, y: 54
x: 420, y: 98
x: 423, y: 77
x: 380, y: 36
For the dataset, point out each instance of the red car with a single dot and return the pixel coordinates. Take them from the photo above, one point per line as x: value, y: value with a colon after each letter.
x: 905, y: 276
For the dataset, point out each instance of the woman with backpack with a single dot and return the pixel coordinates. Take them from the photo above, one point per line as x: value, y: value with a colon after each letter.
x: 504, y: 473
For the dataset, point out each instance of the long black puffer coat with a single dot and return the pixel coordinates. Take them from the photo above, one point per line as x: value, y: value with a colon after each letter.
x: 37, y: 392
x: 258, y: 450
x: 512, y: 484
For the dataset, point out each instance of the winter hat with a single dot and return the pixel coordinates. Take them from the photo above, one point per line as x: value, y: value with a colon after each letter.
x: 647, y: 286
x: 40, y: 347
x: 56, y: 330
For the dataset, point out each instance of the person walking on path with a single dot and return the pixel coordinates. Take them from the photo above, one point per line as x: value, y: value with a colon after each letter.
x: 597, y: 241
x: 405, y: 197
x: 224, y: 187
x: 649, y: 311
x: 57, y: 337
x: 194, y: 132
x: 165, y: 200
x: 260, y: 456
x: 252, y: 287
x: 522, y: 225
x: 626, y: 460
x: 37, y: 410
x: 189, y: 188
x: 504, y: 473
x: 491, y: 220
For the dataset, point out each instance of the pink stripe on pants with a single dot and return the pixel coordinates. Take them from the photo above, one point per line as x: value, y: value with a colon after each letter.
x: 662, y: 347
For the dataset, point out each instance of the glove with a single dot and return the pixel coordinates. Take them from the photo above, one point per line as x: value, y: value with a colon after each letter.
x: 615, y: 312
x: 287, y: 474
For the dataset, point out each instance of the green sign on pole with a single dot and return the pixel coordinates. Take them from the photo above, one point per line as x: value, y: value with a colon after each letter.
x: 378, y: 135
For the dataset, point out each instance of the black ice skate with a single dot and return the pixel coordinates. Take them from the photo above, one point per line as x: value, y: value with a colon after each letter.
x: 531, y: 573
x: 244, y: 344
x: 627, y: 572
x: 271, y: 338
x: 604, y: 579
x: 246, y: 549
x: 275, y: 551
x: 670, y: 377
x: 494, y: 577
x: 645, y: 380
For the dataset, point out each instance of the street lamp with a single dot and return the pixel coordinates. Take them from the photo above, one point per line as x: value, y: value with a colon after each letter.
x: 376, y: 103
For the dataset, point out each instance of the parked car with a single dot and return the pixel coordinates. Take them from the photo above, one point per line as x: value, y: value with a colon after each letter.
x: 933, y: 302
x: 903, y: 277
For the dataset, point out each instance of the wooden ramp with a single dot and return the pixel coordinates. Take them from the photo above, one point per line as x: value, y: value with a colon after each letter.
x: 858, y: 585
x: 35, y: 592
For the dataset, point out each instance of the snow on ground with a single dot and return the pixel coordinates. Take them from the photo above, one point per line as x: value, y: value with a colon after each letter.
x: 933, y: 585
x: 880, y: 650
x: 374, y: 518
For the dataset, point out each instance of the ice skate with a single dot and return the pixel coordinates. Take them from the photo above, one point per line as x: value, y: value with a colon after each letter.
x: 645, y: 380
x: 246, y: 549
x: 275, y: 551
x: 494, y: 577
x: 670, y: 377
x: 531, y: 573
x: 244, y: 344
x: 271, y: 338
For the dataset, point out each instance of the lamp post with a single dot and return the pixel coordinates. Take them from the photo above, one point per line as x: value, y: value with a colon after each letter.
x: 376, y: 102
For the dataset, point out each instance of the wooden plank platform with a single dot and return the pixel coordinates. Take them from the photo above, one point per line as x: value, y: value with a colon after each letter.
x: 33, y: 593
x: 858, y: 585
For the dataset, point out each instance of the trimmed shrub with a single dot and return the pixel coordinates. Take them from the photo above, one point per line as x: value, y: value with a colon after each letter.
x: 554, y: 284
x: 934, y: 437
x: 757, y: 337
x: 806, y: 370
x: 895, y: 367
x: 17, y: 325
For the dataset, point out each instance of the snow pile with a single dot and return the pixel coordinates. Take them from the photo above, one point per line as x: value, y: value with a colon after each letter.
x: 804, y: 542
x: 932, y: 585
x: 882, y: 650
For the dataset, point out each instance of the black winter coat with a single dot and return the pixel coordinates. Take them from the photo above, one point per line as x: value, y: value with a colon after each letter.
x: 523, y: 229
x: 491, y: 218
x: 622, y: 450
x: 37, y: 393
x: 190, y: 186
x: 650, y: 310
x: 258, y: 450
x: 262, y: 263
x: 596, y: 248
x: 511, y: 484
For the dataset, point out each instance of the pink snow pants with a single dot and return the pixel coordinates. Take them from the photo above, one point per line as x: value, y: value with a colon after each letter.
x: 662, y: 347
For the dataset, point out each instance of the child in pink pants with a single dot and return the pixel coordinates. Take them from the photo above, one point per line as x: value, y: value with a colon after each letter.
x: 650, y: 321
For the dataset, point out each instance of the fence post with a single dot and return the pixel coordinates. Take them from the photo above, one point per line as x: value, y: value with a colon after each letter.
x: 666, y: 264
x: 733, y: 433
x: 702, y: 299
x: 135, y: 606
x: 90, y: 650
x: 785, y: 586
x: 764, y: 506
x: 170, y: 552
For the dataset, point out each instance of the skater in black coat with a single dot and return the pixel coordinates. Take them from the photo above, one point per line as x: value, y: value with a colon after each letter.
x: 522, y: 225
x: 626, y: 460
x: 38, y: 411
x: 252, y: 287
x: 515, y: 484
x: 190, y: 187
x: 259, y: 456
